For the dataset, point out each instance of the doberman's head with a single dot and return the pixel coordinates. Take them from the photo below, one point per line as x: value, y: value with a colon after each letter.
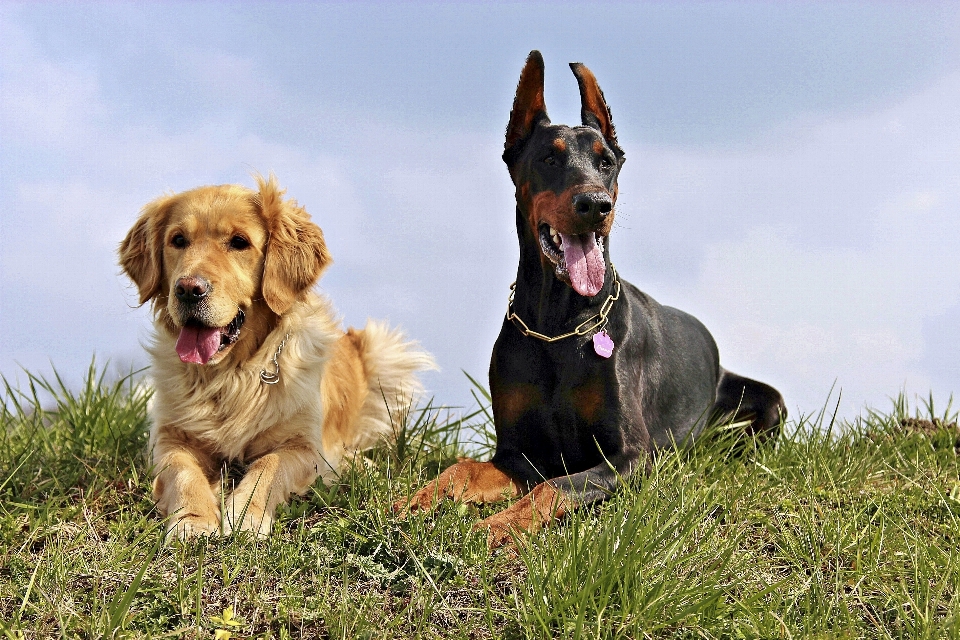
x: 566, y: 178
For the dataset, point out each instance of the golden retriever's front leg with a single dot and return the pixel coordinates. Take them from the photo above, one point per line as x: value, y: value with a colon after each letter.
x: 269, y: 481
x: 182, y: 486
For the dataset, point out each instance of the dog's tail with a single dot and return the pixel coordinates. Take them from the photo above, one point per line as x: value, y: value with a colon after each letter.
x: 390, y: 364
x: 740, y: 398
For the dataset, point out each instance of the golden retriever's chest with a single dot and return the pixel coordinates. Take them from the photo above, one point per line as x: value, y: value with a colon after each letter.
x: 228, y: 408
x: 234, y: 420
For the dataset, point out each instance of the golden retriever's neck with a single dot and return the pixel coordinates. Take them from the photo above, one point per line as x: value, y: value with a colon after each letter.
x: 260, y: 322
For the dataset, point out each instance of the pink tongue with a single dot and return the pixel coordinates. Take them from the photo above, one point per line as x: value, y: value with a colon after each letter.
x: 584, y: 263
x: 198, y: 344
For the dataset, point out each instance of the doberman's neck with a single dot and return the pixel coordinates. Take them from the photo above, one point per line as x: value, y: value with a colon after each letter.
x: 549, y: 305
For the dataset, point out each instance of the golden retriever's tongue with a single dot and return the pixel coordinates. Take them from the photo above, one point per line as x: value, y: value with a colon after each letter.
x: 584, y: 263
x: 198, y: 344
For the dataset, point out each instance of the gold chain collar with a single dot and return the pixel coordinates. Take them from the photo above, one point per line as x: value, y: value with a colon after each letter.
x: 582, y: 329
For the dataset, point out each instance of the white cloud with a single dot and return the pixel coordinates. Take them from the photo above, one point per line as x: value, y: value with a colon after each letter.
x: 816, y: 254
x: 42, y: 103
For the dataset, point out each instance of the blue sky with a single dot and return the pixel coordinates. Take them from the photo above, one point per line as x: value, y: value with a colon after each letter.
x: 792, y: 175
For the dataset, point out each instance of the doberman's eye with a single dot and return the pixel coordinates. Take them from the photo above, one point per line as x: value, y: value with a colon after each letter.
x: 605, y: 165
x: 239, y: 243
x: 178, y: 241
x: 551, y: 160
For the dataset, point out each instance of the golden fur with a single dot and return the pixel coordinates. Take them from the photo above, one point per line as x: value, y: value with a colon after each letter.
x: 338, y: 392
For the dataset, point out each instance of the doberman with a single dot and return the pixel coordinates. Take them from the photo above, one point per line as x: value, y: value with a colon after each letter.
x: 589, y: 376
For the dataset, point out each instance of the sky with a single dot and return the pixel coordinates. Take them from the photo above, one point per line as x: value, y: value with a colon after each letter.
x: 792, y: 173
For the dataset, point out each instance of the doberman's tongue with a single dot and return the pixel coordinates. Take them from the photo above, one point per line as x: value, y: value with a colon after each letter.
x: 198, y: 344
x: 584, y: 263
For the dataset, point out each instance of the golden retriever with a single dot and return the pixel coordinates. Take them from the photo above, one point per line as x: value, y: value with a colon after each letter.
x: 248, y: 363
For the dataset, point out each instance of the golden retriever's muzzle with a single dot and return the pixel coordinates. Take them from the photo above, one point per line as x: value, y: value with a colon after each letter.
x: 199, y: 341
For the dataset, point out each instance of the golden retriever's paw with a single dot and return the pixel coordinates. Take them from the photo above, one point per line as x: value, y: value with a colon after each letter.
x: 189, y: 527
x: 254, y: 520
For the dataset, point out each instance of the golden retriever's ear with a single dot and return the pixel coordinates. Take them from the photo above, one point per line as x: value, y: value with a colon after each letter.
x: 296, y: 253
x: 141, y: 252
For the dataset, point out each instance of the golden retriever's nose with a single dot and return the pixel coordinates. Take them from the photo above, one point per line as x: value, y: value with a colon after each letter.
x: 191, y: 290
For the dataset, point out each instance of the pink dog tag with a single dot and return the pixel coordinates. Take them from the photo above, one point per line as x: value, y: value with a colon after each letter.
x: 603, y: 344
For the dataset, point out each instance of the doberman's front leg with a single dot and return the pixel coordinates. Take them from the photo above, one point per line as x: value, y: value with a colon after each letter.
x: 555, y: 498
x: 467, y: 480
x: 538, y: 508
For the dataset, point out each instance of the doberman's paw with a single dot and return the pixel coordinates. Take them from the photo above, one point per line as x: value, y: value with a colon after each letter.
x: 467, y: 481
x: 524, y: 517
x: 502, y: 532
x: 425, y: 500
x: 510, y: 525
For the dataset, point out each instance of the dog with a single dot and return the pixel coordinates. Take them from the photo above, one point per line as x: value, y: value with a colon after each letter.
x: 249, y: 364
x: 589, y: 376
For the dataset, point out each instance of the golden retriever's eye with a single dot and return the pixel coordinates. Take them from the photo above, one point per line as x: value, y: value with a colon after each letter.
x: 239, y: 243
x: 178, y: 241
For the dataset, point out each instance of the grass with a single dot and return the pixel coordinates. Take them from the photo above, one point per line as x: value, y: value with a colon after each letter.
x: 841, y: 530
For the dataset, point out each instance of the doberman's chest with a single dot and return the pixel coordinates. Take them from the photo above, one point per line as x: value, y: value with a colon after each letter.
x: 556, y: 407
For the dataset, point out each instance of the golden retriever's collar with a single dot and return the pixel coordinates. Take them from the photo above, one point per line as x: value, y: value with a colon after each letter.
x: 273, y: 377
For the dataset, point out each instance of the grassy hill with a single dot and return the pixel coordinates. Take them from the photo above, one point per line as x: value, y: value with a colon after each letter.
x: 841, y: 530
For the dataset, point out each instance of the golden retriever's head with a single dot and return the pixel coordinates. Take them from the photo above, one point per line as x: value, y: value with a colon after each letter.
x: 223, y: 263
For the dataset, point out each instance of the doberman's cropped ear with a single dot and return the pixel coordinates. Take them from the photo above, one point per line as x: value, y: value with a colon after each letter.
x: 296, y: 253
x: 593, y: 107
x: 529, y: 108
x: 141, y: 252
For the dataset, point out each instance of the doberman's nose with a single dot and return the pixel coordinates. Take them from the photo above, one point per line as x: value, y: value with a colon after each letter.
x: 593, y: 206
x: 191, y: 290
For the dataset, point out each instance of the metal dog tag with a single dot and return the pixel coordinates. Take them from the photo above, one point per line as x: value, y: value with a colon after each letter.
x: 603, y: 344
